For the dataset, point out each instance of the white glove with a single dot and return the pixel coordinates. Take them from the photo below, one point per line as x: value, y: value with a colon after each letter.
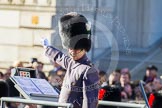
x: 45, y: 42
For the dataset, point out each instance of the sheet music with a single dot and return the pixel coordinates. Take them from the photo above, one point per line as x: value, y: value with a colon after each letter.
x: 35, y: 86
x: 44, y: 86
x: 27, y: 85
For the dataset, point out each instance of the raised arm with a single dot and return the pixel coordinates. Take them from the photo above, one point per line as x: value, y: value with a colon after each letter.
x: 55, y: 55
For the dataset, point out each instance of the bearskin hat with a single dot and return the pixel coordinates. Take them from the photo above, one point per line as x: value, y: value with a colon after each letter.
x: 75, y: 31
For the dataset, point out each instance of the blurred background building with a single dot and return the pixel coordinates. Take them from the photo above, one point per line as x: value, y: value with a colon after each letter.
x: 126, y: 33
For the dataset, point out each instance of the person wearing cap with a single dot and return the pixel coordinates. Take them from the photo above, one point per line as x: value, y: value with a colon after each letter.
x: 151, y: 73
x: 81, y: 81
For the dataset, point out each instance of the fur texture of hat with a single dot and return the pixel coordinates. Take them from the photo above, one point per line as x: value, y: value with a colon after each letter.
x: 75, y: 31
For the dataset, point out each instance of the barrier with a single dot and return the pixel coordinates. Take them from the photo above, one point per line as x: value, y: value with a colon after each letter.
x: 122, y: 104
x: 29, y: 101
x: 67, y: 105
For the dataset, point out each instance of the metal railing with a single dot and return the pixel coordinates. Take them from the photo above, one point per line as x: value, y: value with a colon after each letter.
x: 67, y: 105
x: 29, y: 101
x: 122, y: 104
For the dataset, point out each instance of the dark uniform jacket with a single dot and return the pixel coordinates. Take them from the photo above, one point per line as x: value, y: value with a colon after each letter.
x: 80, y: 85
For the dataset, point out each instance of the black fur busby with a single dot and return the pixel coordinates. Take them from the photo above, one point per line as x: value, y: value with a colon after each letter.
x: 75, y: 31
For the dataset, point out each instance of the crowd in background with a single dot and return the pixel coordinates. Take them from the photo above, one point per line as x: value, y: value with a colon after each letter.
x: 129, y: 89
x: 117, y: 85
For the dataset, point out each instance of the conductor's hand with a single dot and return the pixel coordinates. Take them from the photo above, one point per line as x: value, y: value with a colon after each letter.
x: 45, y: 42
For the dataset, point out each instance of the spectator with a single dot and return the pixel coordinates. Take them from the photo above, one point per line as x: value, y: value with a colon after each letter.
x: 127, y: 92
x: 55, y: 81
x: 110, y: 91
x: 17, y: 63
x: 4, y: 89
x: 61, y: 73
x: 56, y: 67
x: 151, y: 73
x: 125, y: 78
x: 157, y: 84
x: 57, y: 70
x: 1, y: 75
x: 32, y: 60
x: 41, y: 75
x: 153, y: 86
x: 103, y: 78
x: 7, y: 73
x: 114, y: 78
x: 38, y: 66
x: 138, y: 94
x: 124, y: 70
